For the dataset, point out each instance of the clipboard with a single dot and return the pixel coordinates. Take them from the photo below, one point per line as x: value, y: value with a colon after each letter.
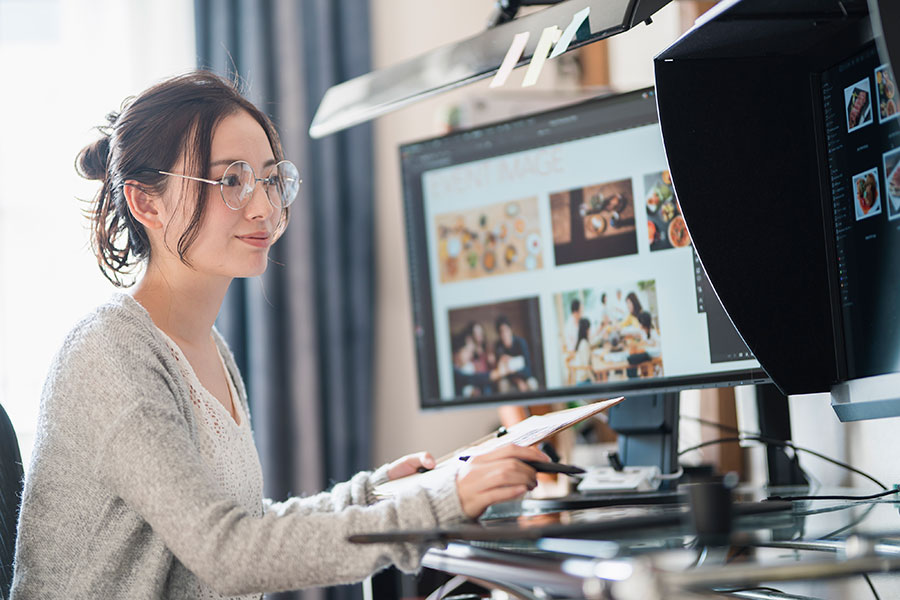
x: 533, y: 430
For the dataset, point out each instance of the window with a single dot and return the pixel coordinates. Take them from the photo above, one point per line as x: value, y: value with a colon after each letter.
x: 64, y: 65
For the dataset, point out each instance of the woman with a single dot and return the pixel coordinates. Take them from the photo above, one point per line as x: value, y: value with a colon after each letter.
x: 581, y: 358
x: 481, y: 358
x: 631, y: 322
x: 145, y: 482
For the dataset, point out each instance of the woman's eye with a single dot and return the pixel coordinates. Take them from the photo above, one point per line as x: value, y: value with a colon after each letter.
x: 231, y: 181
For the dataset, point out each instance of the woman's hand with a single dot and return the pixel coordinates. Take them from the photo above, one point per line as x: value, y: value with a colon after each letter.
x: 410, y: 464
x: 495, y: 477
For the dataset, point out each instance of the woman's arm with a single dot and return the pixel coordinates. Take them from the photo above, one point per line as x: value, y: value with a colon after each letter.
x: 360, y: 490
x: 149, y: 460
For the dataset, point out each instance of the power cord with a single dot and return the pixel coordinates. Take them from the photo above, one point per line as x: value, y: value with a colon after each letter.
x: 785, y: 444
x: 871, y: 586
x: 809, y: 476
x: 870, y: 497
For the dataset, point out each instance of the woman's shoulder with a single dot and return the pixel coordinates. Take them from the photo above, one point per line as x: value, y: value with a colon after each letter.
x: 117, y: 333
x: 110, y: 361
x: 119, y: 321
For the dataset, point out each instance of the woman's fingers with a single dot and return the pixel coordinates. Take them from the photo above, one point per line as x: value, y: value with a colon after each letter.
x: 410, y: 464
x: 496, y: 476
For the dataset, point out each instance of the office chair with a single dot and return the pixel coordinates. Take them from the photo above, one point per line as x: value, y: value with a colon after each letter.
x: 11, y: 474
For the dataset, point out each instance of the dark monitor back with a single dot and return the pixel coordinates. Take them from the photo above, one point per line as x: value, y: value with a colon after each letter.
x: 742, y: 111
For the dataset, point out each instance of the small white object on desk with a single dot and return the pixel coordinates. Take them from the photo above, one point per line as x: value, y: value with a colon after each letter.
x: 630, y: 479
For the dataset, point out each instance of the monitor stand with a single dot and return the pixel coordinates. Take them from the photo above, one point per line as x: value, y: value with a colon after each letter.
x: 647, y: 428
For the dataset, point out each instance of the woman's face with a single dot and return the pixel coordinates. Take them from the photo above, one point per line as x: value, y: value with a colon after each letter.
x: 230, y: 243
x: 630, y: 305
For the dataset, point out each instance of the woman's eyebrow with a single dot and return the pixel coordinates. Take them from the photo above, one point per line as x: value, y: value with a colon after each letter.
x: 228, y: 161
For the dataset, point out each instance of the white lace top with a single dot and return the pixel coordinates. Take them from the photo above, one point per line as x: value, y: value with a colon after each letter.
x: 226, y: 447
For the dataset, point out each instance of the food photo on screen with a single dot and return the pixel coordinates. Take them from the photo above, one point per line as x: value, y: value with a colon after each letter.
x: 665, y: 225
x: 490, y: 240
x: 497, y: 348
x: 858, y: 101
x: 888, y: 101
x: 593, y: 222
x: 609, y: 333
x: 892, y: 182
x: 866, y: 195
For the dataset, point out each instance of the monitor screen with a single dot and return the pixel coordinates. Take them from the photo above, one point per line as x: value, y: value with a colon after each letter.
x: 862, y: 137
x: 549, y: 260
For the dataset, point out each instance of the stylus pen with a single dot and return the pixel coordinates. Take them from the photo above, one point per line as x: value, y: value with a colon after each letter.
x: 546, y: 467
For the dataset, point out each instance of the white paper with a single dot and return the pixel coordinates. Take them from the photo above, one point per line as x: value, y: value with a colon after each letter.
x: 569, y: 34
x: 511, y: 59
x: 548, y: 37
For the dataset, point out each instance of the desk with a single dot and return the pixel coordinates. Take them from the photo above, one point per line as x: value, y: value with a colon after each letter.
x: 820, y: 541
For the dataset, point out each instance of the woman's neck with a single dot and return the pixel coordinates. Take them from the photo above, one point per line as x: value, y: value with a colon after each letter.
x: 182, y: 302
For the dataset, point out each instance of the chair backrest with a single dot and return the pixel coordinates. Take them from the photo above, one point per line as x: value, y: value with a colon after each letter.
x: 11, y: 474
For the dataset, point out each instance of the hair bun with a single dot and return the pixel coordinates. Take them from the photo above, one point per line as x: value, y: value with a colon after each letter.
x: 92, y: 160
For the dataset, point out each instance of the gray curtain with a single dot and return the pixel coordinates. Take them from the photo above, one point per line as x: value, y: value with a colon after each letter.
x: 302, y: 333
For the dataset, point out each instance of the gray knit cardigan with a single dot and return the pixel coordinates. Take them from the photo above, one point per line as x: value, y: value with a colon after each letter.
x: 118, y: 502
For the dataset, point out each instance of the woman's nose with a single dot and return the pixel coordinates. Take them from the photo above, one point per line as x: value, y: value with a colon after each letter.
x: 259, y: 206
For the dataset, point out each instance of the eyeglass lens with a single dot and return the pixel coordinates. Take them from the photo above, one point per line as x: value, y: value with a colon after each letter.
x: 282, y: 183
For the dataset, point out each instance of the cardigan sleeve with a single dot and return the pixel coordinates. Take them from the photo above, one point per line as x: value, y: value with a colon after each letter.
x: 359, y: 491
x: 147, y: 458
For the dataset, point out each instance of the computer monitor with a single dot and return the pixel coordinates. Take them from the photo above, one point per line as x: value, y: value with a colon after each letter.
x: 549, y: 261
x: 781, y: 127
x: 861, y: 110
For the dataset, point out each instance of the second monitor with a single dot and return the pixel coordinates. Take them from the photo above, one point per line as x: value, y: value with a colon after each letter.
x: 549, y: 259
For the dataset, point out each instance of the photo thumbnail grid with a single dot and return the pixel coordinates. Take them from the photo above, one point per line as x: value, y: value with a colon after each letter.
x: 490, y: 241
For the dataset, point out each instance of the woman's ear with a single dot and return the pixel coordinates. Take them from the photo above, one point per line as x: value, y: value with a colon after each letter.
x: 143, y: 206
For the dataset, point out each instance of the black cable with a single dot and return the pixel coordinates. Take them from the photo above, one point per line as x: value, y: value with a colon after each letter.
x: 786, y: 444
x: 731, y: 429
x: 756, y: 588
x: 721, y: 426
x: 871, y: 586
x: 870, y: 497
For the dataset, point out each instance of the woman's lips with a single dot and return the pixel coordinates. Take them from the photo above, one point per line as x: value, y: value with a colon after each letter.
x: 259, y: 240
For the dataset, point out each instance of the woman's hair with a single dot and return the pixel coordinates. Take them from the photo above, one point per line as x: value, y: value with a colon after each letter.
x: 174, y: 118
x: 584, y: 327
x: 635, y: 303
x: 646, y: 321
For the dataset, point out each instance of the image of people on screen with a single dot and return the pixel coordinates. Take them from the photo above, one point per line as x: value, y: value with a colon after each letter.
x: 580, y: 363
x: 469, y: 377
x: 512, y: 352
x: 573, y: 324
x: 497, y: 348
x: 617, y: 337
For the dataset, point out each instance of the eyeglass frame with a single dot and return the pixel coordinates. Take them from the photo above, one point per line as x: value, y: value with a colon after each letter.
x: 221, y: 183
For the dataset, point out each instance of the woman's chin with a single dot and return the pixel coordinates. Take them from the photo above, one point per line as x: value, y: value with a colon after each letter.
x: 254, y: 270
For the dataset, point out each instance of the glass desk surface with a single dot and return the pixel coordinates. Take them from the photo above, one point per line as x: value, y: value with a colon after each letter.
x: 573, y: 554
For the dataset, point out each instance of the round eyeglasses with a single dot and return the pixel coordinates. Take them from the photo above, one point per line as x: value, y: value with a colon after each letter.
x: 239, y: 182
